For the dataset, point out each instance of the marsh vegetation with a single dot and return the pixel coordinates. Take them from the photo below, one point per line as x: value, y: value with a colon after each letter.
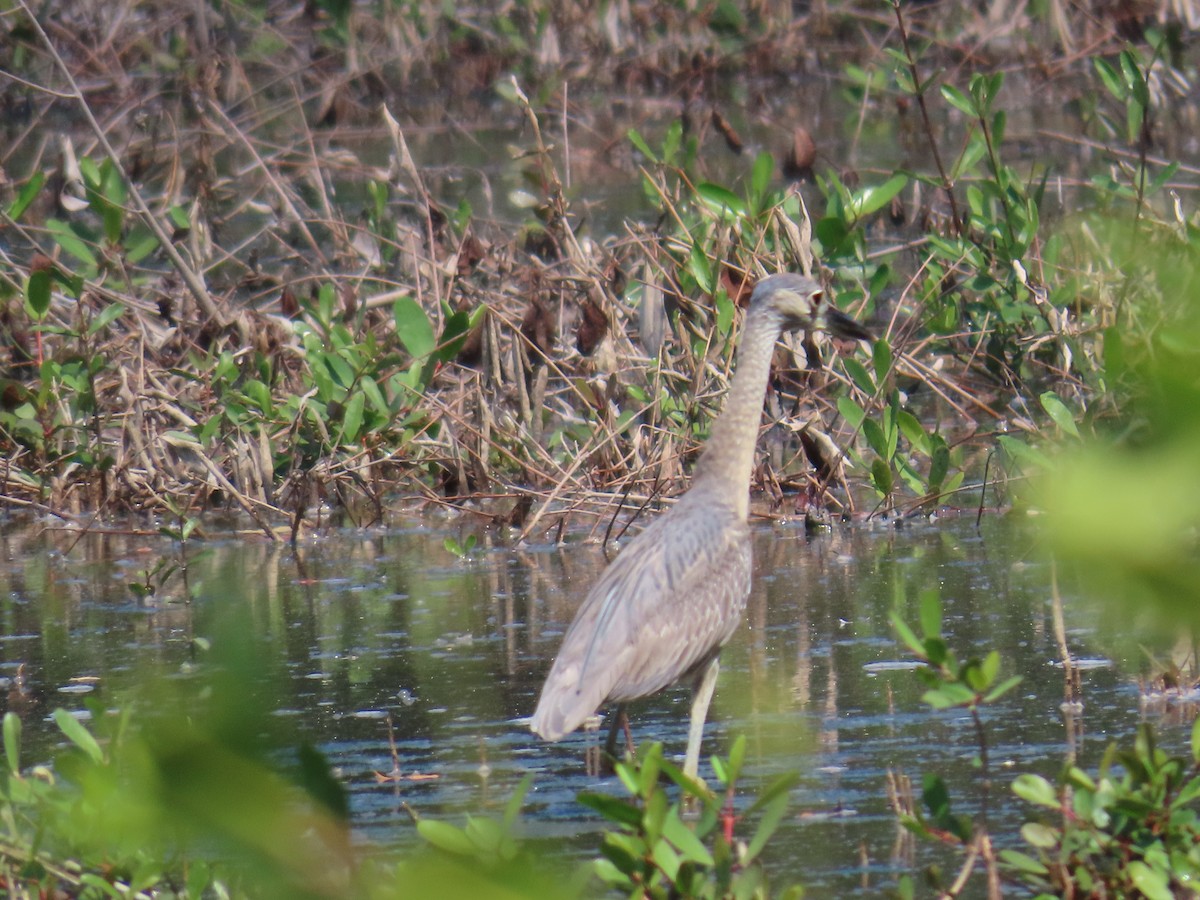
x: 285, y: 268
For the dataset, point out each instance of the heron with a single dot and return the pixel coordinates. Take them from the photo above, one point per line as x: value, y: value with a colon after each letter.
x: 663, y: 609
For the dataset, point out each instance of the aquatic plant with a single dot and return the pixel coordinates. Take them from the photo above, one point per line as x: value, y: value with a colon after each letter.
x: 252, y: 293
x: 655, y: 851
x: 951, y: 683
x: 1131, y: 829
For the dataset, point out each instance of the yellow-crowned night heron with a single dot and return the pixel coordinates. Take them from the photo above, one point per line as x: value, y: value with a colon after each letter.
x: 672, y: 598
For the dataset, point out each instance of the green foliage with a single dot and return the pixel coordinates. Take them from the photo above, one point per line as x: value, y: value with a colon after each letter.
x: 951, y: 683
x: 930, y: 479
x: 1133, y: 829
x: 1122, y: 495
x: 183, y: 786
x: 656, y: 846
x: 461, y: 549
x: 659, y: 850
x: 486, y: 854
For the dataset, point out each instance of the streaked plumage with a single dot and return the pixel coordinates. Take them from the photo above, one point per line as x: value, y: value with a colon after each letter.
x: 662, y: 611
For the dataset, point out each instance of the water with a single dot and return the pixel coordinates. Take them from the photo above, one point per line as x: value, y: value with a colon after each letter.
x: 353, y: 631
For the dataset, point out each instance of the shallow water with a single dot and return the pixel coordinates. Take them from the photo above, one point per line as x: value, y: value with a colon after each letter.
x: 356, y: 629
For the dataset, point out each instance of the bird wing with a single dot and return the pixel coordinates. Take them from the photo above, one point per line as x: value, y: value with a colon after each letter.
x: 667, y: 603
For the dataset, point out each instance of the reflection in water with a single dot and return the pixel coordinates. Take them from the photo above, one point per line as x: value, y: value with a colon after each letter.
x: 415, y: 671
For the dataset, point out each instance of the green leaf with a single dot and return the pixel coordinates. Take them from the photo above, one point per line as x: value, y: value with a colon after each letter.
x: 766, y: 826
x: 78, y: 735
x: 737, y: 756
x: 939, y: 462
x: 851, y: 412
x: 873, y: 198
x: 1078, y: 778
x: 935, y: 795
x: 1023, y: 861
x: 959, y: 100
x: 1166, y: 174
x: 760, y: 176
x: 990, y: 668
x: 26, y: 195
x: 949, y: 696
x: 614, y: 809
x: 610, y: 874
x: 1036, y: 789
x: 1111, y: 78
x: 66, y: 238
x: 999, y: 122
x: 780, y: 784
x: 859, y: 375
x: 971, y: 155
x: 413, y: 328
x: 370, y: 388
x: 1019, y: 451
x: 720, y: 200
x: 1135, y: 81
x: 486, y: 834
x: 629, y: 778
x: 352, y: 418
x: 984, y: 89
x: 910, y: 426
x: 719, y: 770
x: 881, y: 357
x: 339, y: 370
x: 654, y: 813
x: 648, y: 774
x: 1059, y: 412
x: 906, y: 634
x: 98, y: 884
x: 454, y: 333
x: 666, y: 859
x: 890, y: 430
x: 1196, y: 741
x: 107, y: 316
x: 881, y: 477
x: 12, y: 741
x: 724, y: 312
x: 1153, y: 883
x: 671, y: 141
x: 639, y: 142
x: 446, y: 837
x: 684, y: 839
x: 701, y: 268
x: 37, y: 293
x: 937, y: 651
x: 1002, y: 688
x: 113, y: 218
x: 876, y: 438
x: 1187, y: 794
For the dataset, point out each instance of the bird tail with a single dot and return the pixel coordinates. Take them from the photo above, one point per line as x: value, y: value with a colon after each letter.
x: 565, y: 703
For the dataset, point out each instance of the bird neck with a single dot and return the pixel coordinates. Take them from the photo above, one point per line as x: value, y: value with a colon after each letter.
x: 728, y: 458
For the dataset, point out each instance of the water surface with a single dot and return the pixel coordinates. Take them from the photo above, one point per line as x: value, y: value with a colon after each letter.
x: 361, y: 632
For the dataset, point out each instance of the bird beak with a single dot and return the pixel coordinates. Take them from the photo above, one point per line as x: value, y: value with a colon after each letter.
x: 841, y: 325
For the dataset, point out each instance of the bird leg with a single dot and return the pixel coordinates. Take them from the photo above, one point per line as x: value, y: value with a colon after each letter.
x: 701, y: 697
x: 620, y: 720
x: 629, y: 747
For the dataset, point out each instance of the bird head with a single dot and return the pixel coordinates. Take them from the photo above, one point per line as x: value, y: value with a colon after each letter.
x: 802, y: 304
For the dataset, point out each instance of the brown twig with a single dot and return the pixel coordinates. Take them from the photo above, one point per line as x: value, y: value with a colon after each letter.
x: 919, y: 91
